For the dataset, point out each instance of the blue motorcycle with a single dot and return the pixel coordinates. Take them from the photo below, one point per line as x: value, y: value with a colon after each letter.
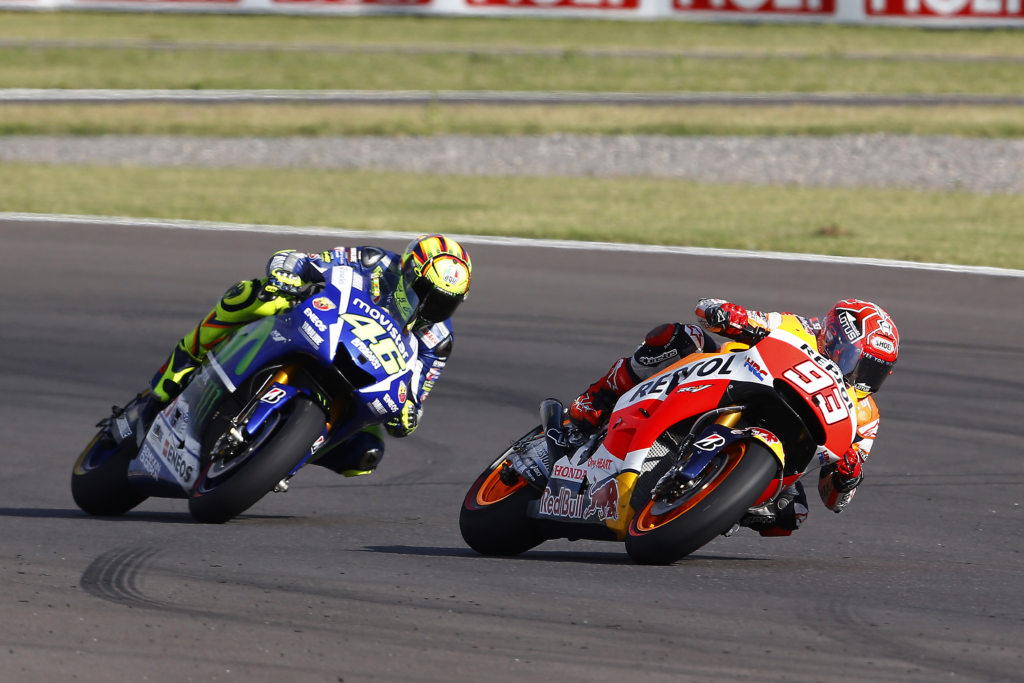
x: 279, y: 393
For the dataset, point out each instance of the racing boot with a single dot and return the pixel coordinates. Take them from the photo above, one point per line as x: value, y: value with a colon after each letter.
x: 355, y: 456
x: 782, y: 517
x: 169, y: 379
x: 592, y: 408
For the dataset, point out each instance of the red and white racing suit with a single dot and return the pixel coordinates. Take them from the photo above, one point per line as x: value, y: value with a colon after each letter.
x: 671, y: 342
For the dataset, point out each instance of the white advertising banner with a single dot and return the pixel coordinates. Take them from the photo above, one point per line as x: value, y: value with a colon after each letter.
x: 931, y: 13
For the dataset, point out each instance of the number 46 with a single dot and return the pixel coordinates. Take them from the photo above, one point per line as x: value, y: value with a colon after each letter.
x: 386, y: 350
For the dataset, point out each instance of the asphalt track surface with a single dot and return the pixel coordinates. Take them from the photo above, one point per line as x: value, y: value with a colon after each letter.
x: 494, y: 97
x: 368, y: 579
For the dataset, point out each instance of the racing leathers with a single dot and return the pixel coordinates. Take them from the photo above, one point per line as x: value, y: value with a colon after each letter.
x: 669, y: 343
x: 289, y: 276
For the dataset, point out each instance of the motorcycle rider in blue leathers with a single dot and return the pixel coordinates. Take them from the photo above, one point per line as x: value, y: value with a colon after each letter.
x: 436, y: 268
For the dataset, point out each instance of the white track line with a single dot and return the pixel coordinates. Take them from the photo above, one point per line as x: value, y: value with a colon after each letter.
x: 501, y: 241
x: 110, y: 96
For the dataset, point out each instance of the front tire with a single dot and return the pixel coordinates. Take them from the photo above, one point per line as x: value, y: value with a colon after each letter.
x: 218, y: 502
x: 711, y: 510
x: 493, y: 520
x: 99, y: 481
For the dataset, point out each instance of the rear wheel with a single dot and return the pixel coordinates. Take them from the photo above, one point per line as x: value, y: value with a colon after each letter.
x: 227, y: 488
x: 663, y: 532
x: 99, y: 481
x: 493, y: 520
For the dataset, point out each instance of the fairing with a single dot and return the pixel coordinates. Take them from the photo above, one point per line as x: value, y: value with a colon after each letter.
x: 595, y: 484
x: 341, y: 320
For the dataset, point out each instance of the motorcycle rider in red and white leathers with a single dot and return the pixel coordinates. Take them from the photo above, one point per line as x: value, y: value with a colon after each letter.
x: 857, y: 335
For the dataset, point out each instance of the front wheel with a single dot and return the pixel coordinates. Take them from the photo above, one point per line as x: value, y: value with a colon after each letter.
x: 99, y: 481
x: 662, y: 533
x: 225, y: 490
x: 493, y: 520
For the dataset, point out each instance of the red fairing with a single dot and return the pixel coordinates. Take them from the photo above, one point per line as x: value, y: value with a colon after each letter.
x: 630, y: 430
x: 819, y: 388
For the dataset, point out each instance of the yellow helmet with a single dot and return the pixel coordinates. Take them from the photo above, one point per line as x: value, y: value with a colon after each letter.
x: 438, y: 270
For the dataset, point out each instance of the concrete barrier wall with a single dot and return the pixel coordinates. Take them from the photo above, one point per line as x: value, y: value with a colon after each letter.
x: 930, y: 13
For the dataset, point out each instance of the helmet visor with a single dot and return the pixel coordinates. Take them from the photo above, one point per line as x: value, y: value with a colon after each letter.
x: 861, y: 371
x: 869, y: 373
x: 435, y: 305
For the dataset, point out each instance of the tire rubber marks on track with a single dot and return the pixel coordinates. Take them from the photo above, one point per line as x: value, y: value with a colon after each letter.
x: 114, y: 576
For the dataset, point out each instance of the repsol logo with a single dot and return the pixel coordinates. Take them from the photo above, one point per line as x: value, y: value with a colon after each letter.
x: 664, y: 384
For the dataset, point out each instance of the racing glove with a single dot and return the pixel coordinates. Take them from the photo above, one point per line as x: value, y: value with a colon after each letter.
x: 723, y: 317
x: 405, y: 422
x: 285, y: 273
x: 848, y: 475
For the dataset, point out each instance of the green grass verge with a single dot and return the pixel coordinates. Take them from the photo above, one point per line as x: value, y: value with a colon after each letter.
x: 493, y: 32
x: 949, y: 227
x: 76, y: 68
x: 320, y: 120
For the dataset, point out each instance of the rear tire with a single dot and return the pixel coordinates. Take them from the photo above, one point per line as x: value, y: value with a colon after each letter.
x: 493, y: 520
x: 257, y: 477
x: 652, y: 542
x: 99, y: 481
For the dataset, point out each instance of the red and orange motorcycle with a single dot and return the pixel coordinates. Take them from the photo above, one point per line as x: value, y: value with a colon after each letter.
x: 683, y: 457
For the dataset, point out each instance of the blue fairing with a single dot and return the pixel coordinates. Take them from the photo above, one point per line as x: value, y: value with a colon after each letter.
x: 342, y: 319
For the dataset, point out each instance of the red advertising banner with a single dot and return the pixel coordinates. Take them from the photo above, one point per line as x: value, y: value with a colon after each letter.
x: 557, y: 4
x: 137, y: 4
x: 354, y: 3
x: 798, y: 7
x: 980, y: 9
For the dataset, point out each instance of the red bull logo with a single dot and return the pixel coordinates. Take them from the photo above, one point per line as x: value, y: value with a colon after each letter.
x: 565, y: 504
x: 604, y: 501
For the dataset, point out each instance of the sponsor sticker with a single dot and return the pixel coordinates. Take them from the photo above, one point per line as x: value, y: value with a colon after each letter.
x: 402, y: 392
x: 429, y: 338
x: 317, y: 444
x: 693, y: 388
x: 322, y: 303
x: 179, y: 463
x: 604, y: 501
x: 277, y: 336
x: 569, y: 472
x: 311, y: 334
x: 849, y: 325
x: 883, y: 344
x: 392, y: 406
x: 378, y: 407
x: 768, y: 437
x: 149, y: 462
x: 366, y: 353
x: 710, y: 443
x: 755, y: 369
x: 274, y: 396
x: 315, y: 319
x: 601, y: 501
